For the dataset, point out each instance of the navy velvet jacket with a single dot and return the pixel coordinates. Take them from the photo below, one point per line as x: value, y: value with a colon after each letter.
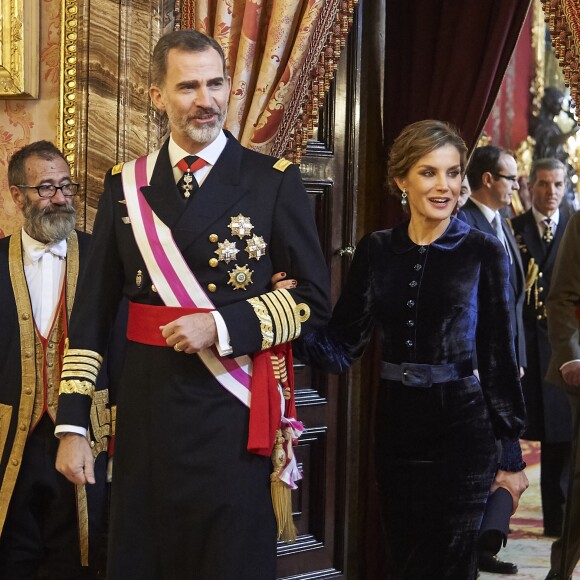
x: 433, y: 304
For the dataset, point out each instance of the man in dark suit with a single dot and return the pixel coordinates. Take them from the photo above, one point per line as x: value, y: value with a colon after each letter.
x: 564, y: 371
x: 48, y: 529
x: 193, y: 244
x: 492, y: 175
x: 538, y: 233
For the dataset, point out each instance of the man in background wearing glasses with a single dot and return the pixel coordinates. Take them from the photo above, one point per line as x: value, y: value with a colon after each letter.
x: 493, y: 177
x: 45, y: 528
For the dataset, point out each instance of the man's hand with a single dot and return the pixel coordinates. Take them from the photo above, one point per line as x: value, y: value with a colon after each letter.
x: 515, y: 482
x: 279, y: 281
x: 191, y: 333
x: 571, y: 373
x: 75, y: 459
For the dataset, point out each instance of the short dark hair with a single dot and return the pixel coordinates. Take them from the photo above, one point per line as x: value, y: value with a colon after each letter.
x: 545, y: 163
x: 484, y: 160
x: 417, y: 140
x: 43, y: 149
x: 186, y: 40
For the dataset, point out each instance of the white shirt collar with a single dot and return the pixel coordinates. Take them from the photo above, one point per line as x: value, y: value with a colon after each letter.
x: 539, y: 217
x: 33, y: 249
x: 210, y: 153
x: 485, y: 210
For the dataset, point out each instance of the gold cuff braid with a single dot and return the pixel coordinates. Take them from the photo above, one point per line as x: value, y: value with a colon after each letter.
x: 75, y: 387
x: 280, y: 317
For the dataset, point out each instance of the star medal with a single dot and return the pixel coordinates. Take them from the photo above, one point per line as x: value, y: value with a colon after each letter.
x: 256, y: 247
x: 226, y: 251
x: 240, y: 277
x: 240, y: 226
x: 187, y: 181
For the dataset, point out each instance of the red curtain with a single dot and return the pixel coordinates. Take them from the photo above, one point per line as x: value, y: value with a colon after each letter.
x: 446, y: 60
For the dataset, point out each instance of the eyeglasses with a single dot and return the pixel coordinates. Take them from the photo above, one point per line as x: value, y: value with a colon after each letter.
x: 46, y: 191
x: 512, y: 178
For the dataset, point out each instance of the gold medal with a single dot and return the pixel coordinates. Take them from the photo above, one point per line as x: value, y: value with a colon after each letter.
x: 139, y: 279
x: 256, y: 247
x: 240, y: 226
x: 226, y: 251
x: 240, y: 277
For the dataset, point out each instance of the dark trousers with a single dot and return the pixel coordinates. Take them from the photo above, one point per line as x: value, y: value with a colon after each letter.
x: 554, y: 484
x: 40, y: 538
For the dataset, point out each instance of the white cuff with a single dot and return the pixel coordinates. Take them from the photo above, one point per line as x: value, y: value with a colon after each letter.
x: 223, y: 342
x: 61, y: 430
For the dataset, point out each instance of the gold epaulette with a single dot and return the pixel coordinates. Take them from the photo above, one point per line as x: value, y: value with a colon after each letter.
x: 117, y: 169
x: 280, y: 317
x: 282, y: 164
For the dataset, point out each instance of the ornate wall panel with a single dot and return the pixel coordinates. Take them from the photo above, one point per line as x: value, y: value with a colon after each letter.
x: 114, y: 119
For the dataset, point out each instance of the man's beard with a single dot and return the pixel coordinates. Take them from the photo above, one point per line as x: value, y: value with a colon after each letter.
x: 49, y: 224
x: 205, y: 134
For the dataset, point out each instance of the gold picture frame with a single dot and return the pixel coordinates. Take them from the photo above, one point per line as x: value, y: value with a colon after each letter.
x: 67, y: 126
x: 19, y: 49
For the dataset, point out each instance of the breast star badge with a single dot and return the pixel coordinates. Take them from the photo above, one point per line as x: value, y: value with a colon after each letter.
x: 240, y: 226
x: 256, y: 247
x: 240, y: 277
x: 226, y: 251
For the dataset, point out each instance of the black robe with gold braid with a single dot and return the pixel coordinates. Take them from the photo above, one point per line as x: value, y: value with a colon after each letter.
x: 28, y: 391
x: 189, y: 501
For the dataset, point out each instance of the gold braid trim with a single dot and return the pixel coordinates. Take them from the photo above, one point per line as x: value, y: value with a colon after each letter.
x: 280, y: 320
x: 83, y: 517
x: 100, y: 422
x: 91, y: 354
x: 261, y: 313
x: 75, y: 387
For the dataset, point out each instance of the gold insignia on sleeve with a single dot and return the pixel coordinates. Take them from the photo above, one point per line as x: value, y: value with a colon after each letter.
x: 261, y: 313
x: 226, y: 251
x: 77, y: 388
x: 240, y: 277
x: 256, y: 247
x: 117, y: 169
x: 240, y: 226
x: 282, y: 315
x: 282, y: 164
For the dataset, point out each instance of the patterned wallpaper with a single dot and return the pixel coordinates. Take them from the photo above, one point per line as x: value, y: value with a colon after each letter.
x: 25, y: 120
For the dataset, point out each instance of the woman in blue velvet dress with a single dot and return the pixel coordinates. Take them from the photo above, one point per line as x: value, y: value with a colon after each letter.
x: 437, y: 291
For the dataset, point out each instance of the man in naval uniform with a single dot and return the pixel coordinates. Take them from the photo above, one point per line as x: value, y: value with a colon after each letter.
x: 193, y: 244
x: 48, y: 529
x: 538, y: 234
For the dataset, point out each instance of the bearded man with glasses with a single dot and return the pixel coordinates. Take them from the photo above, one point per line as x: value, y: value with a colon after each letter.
x: 48, y: 528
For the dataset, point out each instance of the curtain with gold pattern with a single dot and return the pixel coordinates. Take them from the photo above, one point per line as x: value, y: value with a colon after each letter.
x: 281, y: 56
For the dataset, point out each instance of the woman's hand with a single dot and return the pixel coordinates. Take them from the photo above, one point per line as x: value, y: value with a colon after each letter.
x: 279, y: 281
x: 515, y: 482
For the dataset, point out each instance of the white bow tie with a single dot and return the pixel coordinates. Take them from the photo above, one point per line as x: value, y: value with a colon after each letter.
x: 36, y: 251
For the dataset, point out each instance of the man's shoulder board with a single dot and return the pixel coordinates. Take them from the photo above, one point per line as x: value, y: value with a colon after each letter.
x: 282, y: 164
x: 117, y: 169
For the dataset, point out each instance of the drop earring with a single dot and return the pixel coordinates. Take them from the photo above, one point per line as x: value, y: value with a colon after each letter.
x: 404, y: 197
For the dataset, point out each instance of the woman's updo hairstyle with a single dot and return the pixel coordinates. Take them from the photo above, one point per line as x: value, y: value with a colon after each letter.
x: 417, y: 140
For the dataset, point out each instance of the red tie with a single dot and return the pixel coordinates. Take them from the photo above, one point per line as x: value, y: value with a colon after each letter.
x: 187, y: 182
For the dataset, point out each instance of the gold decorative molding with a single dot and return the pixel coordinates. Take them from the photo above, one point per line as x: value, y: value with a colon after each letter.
x: 19, y: 49
x: 67, y: 126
